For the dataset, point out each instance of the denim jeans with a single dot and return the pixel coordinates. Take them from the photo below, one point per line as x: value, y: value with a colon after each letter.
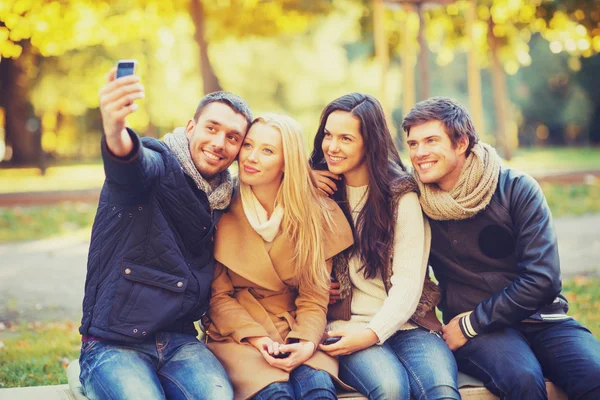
x: 305, y: 383
x: 512, y: 362
x: 413, y: 362
x: 173, y: 365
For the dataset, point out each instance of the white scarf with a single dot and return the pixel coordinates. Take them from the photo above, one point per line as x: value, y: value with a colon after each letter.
x: 266, y: 227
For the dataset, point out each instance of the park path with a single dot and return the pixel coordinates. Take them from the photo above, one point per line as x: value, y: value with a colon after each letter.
x: 44, y: 280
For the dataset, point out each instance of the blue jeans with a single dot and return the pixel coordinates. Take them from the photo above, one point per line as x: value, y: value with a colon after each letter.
x: 512, y: 362
x: 413, y: 362
x: 173, y: 365
x: 305, y: 383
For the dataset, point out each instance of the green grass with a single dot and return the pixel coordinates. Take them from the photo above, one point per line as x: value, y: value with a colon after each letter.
x: 27, y: 223
x: 572, y: 199
x: 36, y: 354
x: 583, y: 294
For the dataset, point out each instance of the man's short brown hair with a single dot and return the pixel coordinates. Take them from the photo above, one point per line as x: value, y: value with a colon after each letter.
x: 454, y: 117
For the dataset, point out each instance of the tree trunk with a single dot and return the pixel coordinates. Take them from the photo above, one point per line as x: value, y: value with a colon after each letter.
x: 500, y: 97
x: 24, y: 138
x: 474, y: 70
x: 423, y: 57
x: 209, y: 79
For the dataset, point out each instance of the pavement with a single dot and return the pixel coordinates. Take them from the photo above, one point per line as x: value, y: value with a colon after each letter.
x: 44, y: 280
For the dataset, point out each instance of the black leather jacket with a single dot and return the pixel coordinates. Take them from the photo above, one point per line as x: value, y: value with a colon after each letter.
x: 503, y: 263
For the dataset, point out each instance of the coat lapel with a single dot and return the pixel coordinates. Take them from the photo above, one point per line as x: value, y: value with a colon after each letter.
x: 242, y: 250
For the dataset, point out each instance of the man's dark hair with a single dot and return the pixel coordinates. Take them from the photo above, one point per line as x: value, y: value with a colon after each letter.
x: 454, y: 118
x: 236, y: 103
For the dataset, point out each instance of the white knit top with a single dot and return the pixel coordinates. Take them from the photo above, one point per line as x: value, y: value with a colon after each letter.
x: 385, y: 313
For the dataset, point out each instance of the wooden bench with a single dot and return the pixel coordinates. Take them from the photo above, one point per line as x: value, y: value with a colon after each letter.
x: 470, y: 389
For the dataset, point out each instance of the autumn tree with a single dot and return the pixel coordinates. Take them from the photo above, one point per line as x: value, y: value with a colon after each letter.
x: 32, y: 31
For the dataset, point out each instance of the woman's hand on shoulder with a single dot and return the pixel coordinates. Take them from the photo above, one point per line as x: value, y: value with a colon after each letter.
x: 326, y: 181
x: 350, y: 342
x: 334, y: 292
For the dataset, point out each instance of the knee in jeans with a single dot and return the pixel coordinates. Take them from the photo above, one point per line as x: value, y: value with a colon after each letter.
x: 389, y: 389
x: 524, y: 381
x: 275, y: 391
x: 586, y: 387
x: 441, y: 392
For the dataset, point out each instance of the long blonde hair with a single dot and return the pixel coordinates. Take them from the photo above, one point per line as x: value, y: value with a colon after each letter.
x: 306, y: 215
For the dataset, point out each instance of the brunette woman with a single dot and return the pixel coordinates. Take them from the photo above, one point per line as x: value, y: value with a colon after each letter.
x: 384, y: 306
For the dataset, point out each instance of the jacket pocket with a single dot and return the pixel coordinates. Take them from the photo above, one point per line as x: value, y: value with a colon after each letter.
x: 146, y: 300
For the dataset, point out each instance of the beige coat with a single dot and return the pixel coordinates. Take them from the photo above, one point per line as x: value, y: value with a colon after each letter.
x: 253, y: 295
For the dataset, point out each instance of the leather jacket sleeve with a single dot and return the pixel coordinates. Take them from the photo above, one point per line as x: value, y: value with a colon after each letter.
x: 538, y: 268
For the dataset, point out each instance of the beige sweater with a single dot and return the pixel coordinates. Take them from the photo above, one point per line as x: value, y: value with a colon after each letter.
x: 385, y: 313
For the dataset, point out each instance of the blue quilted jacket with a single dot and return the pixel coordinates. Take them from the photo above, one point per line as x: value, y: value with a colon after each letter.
x: 150, y: 263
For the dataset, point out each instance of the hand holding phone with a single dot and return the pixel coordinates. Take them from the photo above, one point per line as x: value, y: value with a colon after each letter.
x: 126, y: 67
x: 117, y: 101
x: 331, y: 340
x: 281, y: 355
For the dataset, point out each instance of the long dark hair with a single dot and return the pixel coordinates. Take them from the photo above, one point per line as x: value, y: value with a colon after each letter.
x: 375, y: 224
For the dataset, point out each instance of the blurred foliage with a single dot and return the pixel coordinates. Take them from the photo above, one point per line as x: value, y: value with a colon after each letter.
x: 293, y: 56
x: 38, y: 222
x: 69, y: 177
x: 56, y: 27
x: 536, y: 161
x: 570, y: 26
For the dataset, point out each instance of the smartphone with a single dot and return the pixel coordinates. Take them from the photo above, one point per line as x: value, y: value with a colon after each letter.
x: 126, y: 67
x: 281, y: 355
x: 331, y: 340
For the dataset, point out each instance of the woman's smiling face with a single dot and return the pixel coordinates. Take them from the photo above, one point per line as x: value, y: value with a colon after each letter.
x: 261, y: 156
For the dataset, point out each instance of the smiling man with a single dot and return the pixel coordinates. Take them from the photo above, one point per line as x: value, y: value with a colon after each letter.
x: 150, y: 262
x: 494, y: 252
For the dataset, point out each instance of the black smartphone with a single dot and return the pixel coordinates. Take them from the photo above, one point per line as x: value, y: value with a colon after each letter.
x: 126, y: 67
x: 331, y: 340
x: 281, y: 355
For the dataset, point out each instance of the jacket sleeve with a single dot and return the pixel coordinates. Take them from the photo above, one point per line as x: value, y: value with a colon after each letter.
x: 311, y: 313
x: 538, y: 268
x: 226, y: 313
x: 134, y: 172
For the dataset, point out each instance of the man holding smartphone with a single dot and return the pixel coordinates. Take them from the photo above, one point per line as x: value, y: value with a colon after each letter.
x: 150, y: 263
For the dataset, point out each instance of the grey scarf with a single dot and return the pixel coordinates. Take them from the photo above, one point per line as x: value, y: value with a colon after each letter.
x: 219, y: 189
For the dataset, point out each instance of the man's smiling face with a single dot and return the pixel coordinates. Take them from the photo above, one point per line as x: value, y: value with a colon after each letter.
x: 215, y: 138
x: 435, y: 159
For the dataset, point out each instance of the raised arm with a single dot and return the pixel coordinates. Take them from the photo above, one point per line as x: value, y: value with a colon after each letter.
x: 117, y: 102
x: 129, y: 166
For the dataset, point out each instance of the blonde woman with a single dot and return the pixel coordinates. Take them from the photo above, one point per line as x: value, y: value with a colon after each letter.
x: 270, y: 293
